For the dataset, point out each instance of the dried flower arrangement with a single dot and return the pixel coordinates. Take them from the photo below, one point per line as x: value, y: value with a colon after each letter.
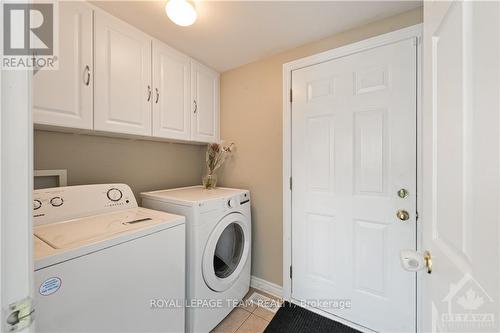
x: 216, y: 155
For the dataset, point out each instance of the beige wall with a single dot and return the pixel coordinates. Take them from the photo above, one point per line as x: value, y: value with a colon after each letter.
x: 251, y: 116
x: 144, y: 165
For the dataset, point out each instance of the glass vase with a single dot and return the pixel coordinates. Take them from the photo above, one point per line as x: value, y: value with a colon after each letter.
x: 209, y: 181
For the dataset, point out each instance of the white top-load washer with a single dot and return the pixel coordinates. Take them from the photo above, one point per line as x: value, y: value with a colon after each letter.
x: 218, y: 231
x: 101, y: 262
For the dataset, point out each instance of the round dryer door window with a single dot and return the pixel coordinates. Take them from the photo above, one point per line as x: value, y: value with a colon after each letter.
x: 226, y: 252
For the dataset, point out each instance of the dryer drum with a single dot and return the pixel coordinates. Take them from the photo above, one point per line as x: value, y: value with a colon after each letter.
x: 228, y: 250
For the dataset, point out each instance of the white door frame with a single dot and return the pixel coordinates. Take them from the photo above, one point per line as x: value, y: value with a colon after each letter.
x: 388, y: 38
x: 16, y: 188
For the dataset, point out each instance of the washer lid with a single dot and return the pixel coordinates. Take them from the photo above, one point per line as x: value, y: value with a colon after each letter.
x: 42, y: 249
x: 92, y: 229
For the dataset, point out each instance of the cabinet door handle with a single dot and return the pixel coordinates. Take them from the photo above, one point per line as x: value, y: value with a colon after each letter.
x: 149, y: 92
x: 86, y: 75
x: 195, y: 107
x: 157, y: 95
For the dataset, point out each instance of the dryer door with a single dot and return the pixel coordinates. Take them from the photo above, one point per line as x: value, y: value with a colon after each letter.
x: 226, y: 252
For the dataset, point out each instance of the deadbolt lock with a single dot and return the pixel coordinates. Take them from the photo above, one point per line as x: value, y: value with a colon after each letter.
x: 403, y: 193
x: 403, y: 215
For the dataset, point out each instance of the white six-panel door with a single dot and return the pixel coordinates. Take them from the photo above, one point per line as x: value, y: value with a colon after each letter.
x: 461, y: 163
x: 353, y: 149
x: 171, y: 81
x: 205, y: 96
x: 123, y: 91
x: 63, y: 97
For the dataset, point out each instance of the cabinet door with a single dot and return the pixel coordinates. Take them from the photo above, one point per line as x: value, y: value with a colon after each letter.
x: 205, y: 96
x: 172, y: 107
x: 123, y: 92
x: 63, y: 97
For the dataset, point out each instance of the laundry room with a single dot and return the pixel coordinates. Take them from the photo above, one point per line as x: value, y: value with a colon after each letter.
x: 193, y: 94
x: 250, y: 166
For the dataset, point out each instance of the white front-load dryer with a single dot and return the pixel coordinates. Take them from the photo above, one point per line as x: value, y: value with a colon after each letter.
x: 218, y: 241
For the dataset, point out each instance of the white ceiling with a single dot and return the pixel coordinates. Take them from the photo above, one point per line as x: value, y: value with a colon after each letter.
x: 229, y: 34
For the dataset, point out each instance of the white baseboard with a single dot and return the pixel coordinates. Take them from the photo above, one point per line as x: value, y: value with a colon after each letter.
x: 266, y: 286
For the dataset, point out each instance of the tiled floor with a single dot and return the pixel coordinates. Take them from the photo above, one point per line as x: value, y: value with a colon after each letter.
x: 246, y: 319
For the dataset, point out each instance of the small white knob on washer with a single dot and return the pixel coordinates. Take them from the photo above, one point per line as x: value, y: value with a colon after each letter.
x: 37, y: 204
x: 114, y: 194
x: 231, y: 203
x: 56, y: 201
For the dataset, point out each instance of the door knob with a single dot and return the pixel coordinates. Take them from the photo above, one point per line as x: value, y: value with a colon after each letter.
x: 428, y: 261
x: 402, y: 215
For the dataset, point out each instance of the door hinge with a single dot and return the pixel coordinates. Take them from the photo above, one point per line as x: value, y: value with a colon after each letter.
x: 19, y: 315
x: 291, y: 95
x: 290, y: 183
x: 416, y: 216
x: 290, y: 272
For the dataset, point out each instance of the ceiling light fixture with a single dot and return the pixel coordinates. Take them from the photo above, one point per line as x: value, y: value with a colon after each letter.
x: 181, y: 12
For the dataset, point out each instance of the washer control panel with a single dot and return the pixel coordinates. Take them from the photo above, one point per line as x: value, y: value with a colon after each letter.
x: 244, y: 198
x: 61, y: 203
x: 238, y: 200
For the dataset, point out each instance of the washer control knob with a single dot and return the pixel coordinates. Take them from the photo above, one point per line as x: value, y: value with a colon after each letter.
x: 56, y: 201
x: 114, y: 194
x: 37, y: 204
x: 231, y: 203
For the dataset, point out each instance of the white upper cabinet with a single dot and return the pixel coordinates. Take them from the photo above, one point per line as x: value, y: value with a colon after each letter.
x: 205, y: 98
x: 171, y: 82
x: 123, y: 90
x: 114, y: 78
x: 63, y: 97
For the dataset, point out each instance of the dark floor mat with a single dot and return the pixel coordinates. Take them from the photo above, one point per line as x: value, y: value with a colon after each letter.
x: 291, y: 318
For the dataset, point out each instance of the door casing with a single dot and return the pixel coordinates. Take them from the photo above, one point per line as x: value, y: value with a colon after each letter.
x: 414, y: 31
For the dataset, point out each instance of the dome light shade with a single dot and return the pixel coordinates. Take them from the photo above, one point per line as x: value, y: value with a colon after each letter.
x: 181, y: 12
